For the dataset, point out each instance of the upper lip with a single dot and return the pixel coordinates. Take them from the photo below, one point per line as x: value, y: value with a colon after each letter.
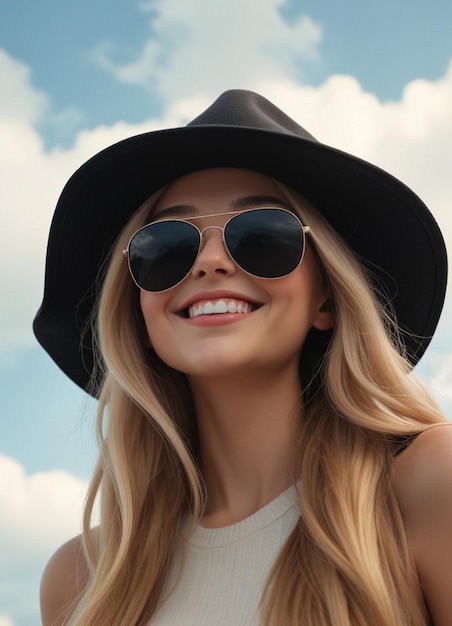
x: 216, y: 295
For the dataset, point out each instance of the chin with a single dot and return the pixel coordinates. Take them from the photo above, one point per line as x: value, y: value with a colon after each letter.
x: 210, y: 365
x: 209, y: 369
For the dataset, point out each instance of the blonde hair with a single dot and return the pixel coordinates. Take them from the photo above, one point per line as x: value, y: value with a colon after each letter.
x: 346, y: 561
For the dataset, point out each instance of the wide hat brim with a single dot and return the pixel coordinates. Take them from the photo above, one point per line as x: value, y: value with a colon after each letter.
x: 380, y: 218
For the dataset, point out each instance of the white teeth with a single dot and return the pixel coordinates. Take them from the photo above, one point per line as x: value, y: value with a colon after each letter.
x: 220, y: 306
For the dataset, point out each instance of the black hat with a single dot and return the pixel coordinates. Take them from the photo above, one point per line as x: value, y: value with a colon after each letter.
x: 380, y: 218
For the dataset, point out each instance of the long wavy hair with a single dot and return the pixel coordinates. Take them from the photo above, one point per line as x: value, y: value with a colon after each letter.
x: 346, y: 561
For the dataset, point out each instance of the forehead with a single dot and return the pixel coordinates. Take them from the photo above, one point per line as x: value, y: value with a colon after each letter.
x: 222, y: 185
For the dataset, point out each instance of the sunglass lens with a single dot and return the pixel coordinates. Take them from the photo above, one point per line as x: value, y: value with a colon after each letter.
x: 267, y: 243
x: 162, y: 254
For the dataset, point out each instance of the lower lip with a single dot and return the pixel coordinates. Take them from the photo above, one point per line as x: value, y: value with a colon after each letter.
x: 219, y: 319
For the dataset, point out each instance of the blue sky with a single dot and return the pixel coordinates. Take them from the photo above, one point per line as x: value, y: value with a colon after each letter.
x: 371, y: 78
x: 382, y: 44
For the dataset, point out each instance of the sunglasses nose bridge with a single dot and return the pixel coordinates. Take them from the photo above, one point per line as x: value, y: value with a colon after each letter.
x: 202, y: 231
x: 213, y: 255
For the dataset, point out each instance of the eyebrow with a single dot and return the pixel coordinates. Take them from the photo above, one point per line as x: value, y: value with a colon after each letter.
x: 187, y: 210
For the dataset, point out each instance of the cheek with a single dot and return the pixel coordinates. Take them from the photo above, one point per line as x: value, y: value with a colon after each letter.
x: 153, y: 309
x: 161, y: 335
x: 300, y: 293
x: 296, y: 299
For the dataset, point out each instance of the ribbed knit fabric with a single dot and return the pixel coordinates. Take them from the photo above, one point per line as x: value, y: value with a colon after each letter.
x: 218, y: 577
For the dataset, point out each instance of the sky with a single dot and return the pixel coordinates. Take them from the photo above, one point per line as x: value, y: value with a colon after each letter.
x: 374, y: 79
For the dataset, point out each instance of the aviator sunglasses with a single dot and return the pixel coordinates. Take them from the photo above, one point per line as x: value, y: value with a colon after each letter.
x: 265, y: 242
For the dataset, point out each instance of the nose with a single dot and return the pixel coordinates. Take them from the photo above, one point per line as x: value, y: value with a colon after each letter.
x: 213, y: 260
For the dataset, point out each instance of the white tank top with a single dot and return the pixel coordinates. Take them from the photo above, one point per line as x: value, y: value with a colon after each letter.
x: 218, y: 577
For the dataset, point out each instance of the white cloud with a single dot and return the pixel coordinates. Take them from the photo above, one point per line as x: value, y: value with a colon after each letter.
x: 185, y: 55
x: 38, y: 513
x: 16, y: 99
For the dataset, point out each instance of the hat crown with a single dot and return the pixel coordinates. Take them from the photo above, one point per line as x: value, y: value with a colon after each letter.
x: 246, y: 109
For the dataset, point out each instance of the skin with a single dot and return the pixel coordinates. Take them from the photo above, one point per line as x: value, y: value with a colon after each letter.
x: 244, y: 377
x: 423, y: 480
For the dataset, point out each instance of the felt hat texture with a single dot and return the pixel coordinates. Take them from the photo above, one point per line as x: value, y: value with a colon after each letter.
x: 381, y: 219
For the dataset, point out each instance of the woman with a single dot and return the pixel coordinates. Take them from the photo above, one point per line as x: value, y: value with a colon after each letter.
x: 248, y: 303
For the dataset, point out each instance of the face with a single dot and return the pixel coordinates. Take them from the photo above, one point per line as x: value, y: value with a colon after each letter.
x: 257, y: 323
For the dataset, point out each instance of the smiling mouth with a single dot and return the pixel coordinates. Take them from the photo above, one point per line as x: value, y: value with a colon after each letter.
x: 219, y: 307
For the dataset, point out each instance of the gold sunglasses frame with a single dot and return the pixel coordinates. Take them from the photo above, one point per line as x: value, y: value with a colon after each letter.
x: 304, y: 229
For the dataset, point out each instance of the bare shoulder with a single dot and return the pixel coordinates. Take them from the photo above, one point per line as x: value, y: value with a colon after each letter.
x: 63, y: 579
x: 423, y: 479
x: 424, y: 469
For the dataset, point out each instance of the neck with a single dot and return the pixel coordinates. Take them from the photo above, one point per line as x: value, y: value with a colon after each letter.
x: 246, y: 433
